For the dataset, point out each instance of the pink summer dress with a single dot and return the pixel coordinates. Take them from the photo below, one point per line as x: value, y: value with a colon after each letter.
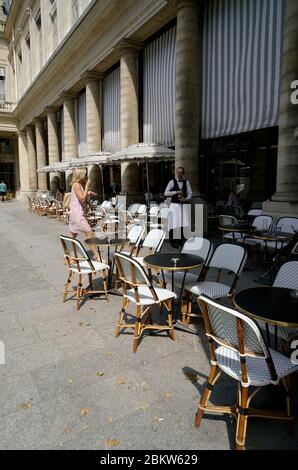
x: 77, y: 221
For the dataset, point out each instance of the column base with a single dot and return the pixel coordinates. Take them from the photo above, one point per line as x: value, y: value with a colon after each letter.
x: 280, y: 208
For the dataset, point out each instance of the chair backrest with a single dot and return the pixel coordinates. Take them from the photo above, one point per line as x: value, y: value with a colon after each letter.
x: 237, y: 332
x: 142, y: 209
x: 229, y: 257
x: 227, y: 220
x: 154, y: 239
x: 74, y: 250
x: 133, y: 208
x: 197, y: 246
x: 254, y: 212
x: 154, y: 210
x: 132, y: 274
x: 262, y: 222
x: 288, y: 224
x: 135, y: 234
x: 164, y: 212
x: 287, y: 276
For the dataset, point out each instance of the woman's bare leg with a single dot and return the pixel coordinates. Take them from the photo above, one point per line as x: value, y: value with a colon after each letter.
x: 89, y: 235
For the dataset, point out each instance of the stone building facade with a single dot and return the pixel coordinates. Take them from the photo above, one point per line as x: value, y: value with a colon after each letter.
x: 82, y: 76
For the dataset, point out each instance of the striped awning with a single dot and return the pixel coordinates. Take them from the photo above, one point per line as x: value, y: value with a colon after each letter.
x: 55, y: 168
x: 241, y: 63
x: 96, y: 159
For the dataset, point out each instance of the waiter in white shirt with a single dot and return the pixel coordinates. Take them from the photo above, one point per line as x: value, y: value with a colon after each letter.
x: 179, y: 190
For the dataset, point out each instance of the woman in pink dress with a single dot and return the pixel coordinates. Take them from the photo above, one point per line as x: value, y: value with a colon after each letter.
x: 78, y: 202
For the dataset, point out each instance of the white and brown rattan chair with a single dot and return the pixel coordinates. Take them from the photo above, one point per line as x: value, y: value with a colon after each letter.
x: 237, y: 348
x: 151, y: 244
x: 139, y: 290
x: 79, y: 262
x: 228, y: 258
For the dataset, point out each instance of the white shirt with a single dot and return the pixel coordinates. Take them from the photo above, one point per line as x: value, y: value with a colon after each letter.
x: 169, y: 189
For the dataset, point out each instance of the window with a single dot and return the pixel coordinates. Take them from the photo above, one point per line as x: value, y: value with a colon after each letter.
x: 39, y: 36
x: 20, y: 57
x: 53, y: 15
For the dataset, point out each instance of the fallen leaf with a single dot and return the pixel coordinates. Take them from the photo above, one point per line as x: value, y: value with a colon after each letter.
x: 100, y: 374
x: 191, y: 377
x: 121, y: 381
x: 167, y: 395
x: 112, y: 442
x: 25, y: 405
x: 68, y: 429
x: 108, y: 353
x: 110, y: 419
x: 143, y: 406
x: 70, y: 381
x: 85, y: 411
x: 158, y: 419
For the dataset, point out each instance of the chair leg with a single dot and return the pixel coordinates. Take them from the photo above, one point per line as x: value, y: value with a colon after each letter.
x: 206, y: 395
x: 287, y: 383
x: 137, y: 329
x: 170, y: 320
x: 66, y: 290
x: 90, y: 281
x: 242, y: 417
x: 79, y: 291
x: 188, y: 308
x: 121, y: 316
x: 105, y: 285
x: 185, y: 307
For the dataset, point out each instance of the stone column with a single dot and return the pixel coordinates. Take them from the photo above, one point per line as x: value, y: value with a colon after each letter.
x: 93, y: 111
x: 31, y: 158
x: 70, y: 139
x: 40, y: 154
x: 129, y: 121
x: 188, y: 92
x: 285, y: 200
x: 23, y: 165
x: 93, y: 125
x: 53, y: 146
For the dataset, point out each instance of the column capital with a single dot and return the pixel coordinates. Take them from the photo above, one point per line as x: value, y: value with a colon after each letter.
x: 67, y: 96
x: 37, y: 120
x: 29, y: 129
x: 51, y: 109
x: 92, y: 75
x: 128, y: 44
x: 22, y: 133
x: 188, y: 3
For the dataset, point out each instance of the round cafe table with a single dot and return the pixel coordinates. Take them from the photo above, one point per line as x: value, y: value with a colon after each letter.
x: 174, y: 262
x: 243, y: 229
x: 275, y: 305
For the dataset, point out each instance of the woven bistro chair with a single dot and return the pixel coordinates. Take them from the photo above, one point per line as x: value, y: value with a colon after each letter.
x: 237, y: 348
x: 226, y: 257
x: 151, y: 244
x: 139, y: 290
x: 287, y: 277
x: 79, y: 262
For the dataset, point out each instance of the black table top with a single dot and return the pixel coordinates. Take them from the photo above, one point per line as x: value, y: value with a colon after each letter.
x: 275, y: 305
x: 271, y: 235
x: 167, y: 261
x: 237, y: 227
x: 106, y: 242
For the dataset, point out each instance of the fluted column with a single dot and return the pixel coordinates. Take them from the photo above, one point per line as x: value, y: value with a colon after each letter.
x: 187, y: 89
x: 53, y: 145
x: 129, y: 123
x: 23, y: 165
x: 285, y: 200
x: 93, y: 111
x: 40, y: 154
x: 31, y: 158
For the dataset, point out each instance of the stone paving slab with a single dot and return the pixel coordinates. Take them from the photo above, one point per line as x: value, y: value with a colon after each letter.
x: 68, y: 383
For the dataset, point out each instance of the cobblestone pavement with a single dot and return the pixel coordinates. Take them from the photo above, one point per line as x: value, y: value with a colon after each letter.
x: 67, y: 383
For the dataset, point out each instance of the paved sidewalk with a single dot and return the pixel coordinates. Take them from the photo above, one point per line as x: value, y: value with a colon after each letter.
x: 69, y: 384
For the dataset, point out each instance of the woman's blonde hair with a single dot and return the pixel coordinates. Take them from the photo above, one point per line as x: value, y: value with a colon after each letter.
x: 78, y: 175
